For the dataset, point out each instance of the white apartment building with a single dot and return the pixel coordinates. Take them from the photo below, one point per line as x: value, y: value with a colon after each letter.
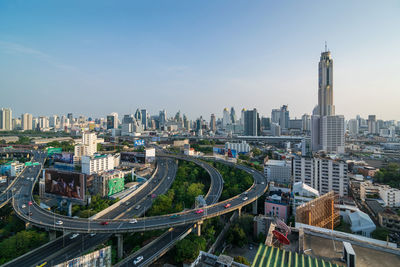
x: 16, y: 168
x: 99, y: 163
x: 242, y: 147
x: 353, y: 127
x: 302, y: 193
x: 391, y: 196
x: 5, y: 119
x: 322, y: 174
x: 279, y: 171
x: 26, y: 121
x: 88, y: 146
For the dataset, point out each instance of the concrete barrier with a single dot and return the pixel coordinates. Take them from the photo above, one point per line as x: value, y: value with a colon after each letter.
x: 123, y: 200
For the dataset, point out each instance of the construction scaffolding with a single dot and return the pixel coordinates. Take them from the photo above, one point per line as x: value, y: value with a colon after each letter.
x: 320, y: 212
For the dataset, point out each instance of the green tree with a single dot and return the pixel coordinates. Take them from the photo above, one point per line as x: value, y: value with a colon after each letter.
x: 241, y: 259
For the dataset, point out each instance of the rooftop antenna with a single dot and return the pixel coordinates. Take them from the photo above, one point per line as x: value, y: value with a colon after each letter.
x: 326, y: 47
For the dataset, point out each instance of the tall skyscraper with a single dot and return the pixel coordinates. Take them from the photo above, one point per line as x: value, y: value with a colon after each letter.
x: 251, y: 123
x: 145, y: 116
x: 325, y: 84
x: 112, y: 121
x: 233, y: 115
x: 284, y: 117
x: 5, y: 119
x: 70, y: 117
x: 226, y: 119
x: 372, y: 129
x: 26, y: 121
x: 327, y: 129
x: 213, y: 123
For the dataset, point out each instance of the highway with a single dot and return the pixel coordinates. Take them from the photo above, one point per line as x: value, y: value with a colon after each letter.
x: 46, y: 219
x: 64, y: 248
x: 166, y: 241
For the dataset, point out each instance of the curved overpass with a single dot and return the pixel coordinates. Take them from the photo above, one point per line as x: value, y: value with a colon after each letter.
x: 46, y: 219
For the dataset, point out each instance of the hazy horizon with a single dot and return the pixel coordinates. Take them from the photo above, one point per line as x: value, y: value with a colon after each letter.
x: 97, y: 57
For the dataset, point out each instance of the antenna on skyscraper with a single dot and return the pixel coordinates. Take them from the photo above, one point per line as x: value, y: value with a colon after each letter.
x: 326, y: 47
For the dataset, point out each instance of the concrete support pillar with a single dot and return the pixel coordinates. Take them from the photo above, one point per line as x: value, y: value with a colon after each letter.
x: 255, y: 207
x: 69, y: 209
x: 199, y: 228
x: 120, y: 245
x: 52, y: 235
x: 240, y: 211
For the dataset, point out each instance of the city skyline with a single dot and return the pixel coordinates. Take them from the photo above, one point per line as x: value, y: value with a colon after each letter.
x: 206, y: 62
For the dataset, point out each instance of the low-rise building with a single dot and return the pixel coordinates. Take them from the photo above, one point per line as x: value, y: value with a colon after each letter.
x: 391, y: 196
x: 107, y: 183
x: 277, y: 203
x: 242, y: 147
x: 301, y: 194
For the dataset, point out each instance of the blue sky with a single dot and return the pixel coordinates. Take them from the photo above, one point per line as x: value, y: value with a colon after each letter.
x: 97, y: 57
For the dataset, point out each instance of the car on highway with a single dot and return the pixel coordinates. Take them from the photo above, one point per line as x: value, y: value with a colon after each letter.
x: 29, y: 213
x: 23, y: 206
x: 153, y: 195
x: 74, y: 236
x: 137, y: 207
x: 104, y: 223
x: 199, y: 211
x: 59, y: 222
x: 92, y: 234
x: 174, y: 216
x: 133, y: 221
x: 227, y: 205
x: 127, y: 203
x: 137, y: 260
x: 245, y: 198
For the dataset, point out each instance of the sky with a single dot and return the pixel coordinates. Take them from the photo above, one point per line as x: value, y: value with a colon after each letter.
x: 97, y: 57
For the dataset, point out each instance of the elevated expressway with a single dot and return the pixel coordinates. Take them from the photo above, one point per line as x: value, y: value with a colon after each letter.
x: 64, y: 248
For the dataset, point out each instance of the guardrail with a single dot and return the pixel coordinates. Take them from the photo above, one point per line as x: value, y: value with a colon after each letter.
x: 125, y: 199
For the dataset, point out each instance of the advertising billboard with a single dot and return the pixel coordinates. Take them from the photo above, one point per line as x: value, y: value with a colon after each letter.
x: 133, y: 157
x: 115, y: 185
x: 150, y: 154
x: 155, y: 139
x: 98, y: 258
x: 139, y: 142
x: 218, y: 150
x: 232, y: 153
x: 52, y: 150
x: 65, y: 184
x: 63, y: 157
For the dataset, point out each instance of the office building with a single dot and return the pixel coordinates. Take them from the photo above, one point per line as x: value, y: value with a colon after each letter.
x: 372, y: 125
x: 70, y: 117
x: 275, y: 116
x: 251, y: 123
x: 306, y: 123
x: 112, y: 121
x: 26, y: 121
x: 279, y: 171
x: 242, y: 116
x: 265, y: 123
x: 43, y: 123
x: 284, y: 117
x: 321, y: 173
x: 5, y: 119
x: 226, y: 118
x: 213, y: 123
x: 325, y: 84
x: 233, y: 115
x: 145, y: 117
x: 275, y: 129
x: 162, y: 118
x: 353, y: 127
x: 53, y: 121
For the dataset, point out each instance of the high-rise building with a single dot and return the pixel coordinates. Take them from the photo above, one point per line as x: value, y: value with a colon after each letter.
x: 306, y: 123
x: 325, y: 84
x: 88, y: 146
x: 112, y: 121
x: 26, y: 121
x: 353, y: 127
x: 213, y: 123
x: 43, y: 122
x: 275, y: 115
x: 327, y: 129
x: 284, y: 117
x: 322, y: 174
x: 226, y: 119
x: 162, y: 118
x: 372, y: 129
x: 242, y: 116
x: 233, y: 115
x: 145, y: 116
x: 5, y: 119
x: 53, y: 121
x: 251, y: 123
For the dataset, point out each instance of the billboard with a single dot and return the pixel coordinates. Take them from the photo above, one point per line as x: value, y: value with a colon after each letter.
x: 115, y: 185
x: 156, y: 139
x: 133, y: 157
x: 65, y: 184
x: 98, y: 258
x: 139, y: 142
x: 150, y: 154
x: 52, y: 150
x: 232, y: 153
x: 218, y: 150
x: 63, y: 157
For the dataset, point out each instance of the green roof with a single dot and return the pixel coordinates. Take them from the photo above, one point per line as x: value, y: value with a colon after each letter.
x: 275, y: 257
